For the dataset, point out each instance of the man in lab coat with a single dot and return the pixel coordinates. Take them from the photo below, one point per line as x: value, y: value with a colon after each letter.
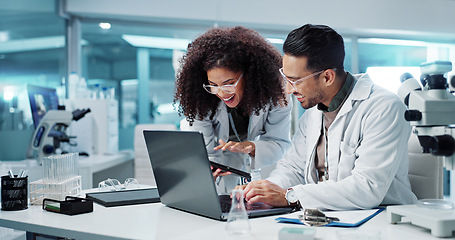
x: 350, y: 150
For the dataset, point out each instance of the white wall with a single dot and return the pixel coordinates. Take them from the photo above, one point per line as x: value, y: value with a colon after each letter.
x: 431, y: 20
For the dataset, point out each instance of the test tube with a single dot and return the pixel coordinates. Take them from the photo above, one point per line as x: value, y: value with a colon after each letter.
x: 76, y: 165
x: 65, y: 167
x: 72, y: 159
x: 44, y: 168
x: 59, y: 168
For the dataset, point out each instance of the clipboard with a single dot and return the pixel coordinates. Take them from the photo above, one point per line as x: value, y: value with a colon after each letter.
x: 372, y: 213
x: 125, y: 197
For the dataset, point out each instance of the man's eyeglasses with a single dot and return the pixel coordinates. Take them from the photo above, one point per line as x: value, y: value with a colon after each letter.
x: 228, y: 88
x: 294, y: 83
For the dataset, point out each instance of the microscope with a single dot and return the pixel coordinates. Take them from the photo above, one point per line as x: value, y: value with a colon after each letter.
x: 51, y: 131
x: 431, y: 110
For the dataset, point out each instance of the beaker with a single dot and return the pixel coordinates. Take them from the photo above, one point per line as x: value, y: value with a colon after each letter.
x: 237, y: 222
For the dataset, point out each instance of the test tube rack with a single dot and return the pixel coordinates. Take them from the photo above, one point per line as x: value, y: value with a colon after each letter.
x: 41, y: 189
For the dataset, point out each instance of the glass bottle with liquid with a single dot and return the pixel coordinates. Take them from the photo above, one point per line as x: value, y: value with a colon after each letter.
x: 237, y: 222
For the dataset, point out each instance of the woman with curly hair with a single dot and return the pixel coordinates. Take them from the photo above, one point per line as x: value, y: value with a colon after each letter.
x: 230, y: 89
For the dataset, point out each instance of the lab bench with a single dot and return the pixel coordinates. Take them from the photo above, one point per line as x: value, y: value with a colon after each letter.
x: 154, y: 221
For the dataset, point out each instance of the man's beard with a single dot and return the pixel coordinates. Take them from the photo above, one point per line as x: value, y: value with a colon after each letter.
x: 310, y: 102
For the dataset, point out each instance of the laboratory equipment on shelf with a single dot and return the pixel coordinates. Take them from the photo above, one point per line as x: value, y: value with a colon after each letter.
x: 104, y: 130
x: 51, y: 131
x: 431, y: 112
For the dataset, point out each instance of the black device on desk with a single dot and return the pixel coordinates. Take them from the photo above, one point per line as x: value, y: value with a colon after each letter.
x: 125, y: 197
x: 71, y: 205
x: 225, y: 168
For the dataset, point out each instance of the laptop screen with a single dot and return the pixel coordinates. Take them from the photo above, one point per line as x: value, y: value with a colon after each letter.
x: 182, y: 171
x: 184, y: 178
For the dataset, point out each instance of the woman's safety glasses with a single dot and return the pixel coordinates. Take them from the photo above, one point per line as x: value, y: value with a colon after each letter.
x: 228, y: 88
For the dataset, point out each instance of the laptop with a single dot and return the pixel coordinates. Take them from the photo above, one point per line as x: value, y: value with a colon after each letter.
x: 184, y: 178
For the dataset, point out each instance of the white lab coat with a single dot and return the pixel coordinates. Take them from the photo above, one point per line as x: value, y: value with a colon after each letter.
x: 269, y: 131
x: 367, y: 153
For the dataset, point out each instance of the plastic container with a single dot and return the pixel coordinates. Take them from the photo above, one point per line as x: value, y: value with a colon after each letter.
x: 71, y: 205
x: 437, y: 204
x: 41, y: 189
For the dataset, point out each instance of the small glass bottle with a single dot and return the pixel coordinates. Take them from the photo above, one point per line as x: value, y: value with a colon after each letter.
x: 237, y: 222
x: 97, y: 91
x: 73, y: 80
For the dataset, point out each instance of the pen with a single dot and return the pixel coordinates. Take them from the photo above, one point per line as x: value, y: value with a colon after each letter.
x: 23, y: 173
x: 10, y: 173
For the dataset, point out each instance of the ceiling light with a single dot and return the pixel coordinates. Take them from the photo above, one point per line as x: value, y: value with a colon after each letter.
x: 398, y: 42
x: 8, y: 93
x: 32, y: 44
x: 105, y: 25
x: 129, y: 82
x: 156, y: 42
x: 4, y: 36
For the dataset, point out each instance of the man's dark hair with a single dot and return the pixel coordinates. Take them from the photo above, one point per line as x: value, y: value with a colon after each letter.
x: 322, y: 45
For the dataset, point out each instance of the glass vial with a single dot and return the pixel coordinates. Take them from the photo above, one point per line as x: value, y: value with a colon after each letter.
x: 237, y: 222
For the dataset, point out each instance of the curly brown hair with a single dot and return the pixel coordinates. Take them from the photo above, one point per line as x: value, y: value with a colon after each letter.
x: 237, y: 49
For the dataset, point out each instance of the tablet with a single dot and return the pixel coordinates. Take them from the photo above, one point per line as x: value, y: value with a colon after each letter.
x: 125, y: 197
x: 225, y: 168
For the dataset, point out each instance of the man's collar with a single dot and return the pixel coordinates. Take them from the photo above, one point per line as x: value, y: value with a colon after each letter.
x: 341, y: 95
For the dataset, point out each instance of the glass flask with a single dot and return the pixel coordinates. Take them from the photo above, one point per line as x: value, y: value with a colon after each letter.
x: 237, y: 222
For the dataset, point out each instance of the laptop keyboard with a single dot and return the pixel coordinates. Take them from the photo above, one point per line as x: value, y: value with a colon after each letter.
x: 225, y: 202
x: 225, y: 207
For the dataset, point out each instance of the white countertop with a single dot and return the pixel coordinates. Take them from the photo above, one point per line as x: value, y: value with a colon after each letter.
x: 156, y: 221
